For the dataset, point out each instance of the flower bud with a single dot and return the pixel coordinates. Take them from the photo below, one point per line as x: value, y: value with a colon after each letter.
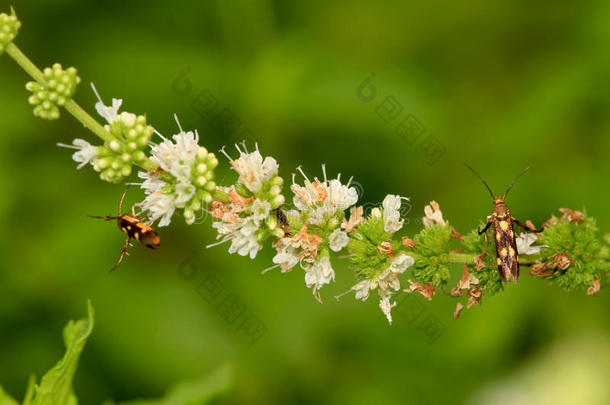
x: 9, y: 27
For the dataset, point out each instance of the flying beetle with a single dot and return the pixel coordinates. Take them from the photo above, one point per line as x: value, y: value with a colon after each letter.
x: 504, y: 234
x: 132, y: 225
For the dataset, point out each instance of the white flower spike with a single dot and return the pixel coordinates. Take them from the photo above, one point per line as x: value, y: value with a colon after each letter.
x: 184, y: 180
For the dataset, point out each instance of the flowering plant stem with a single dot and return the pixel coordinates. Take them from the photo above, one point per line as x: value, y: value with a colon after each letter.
x: 179, y: 176
x: 524, y: 260
x: 71, y: 106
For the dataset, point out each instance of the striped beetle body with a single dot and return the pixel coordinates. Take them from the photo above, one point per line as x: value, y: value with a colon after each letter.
x: 502, y: 220
x: 506, y: 246
x: 134, y: 228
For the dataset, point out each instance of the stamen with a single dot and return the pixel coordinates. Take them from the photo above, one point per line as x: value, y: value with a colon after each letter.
x: 270, y: 268
x: 178, y: 122
x: 293, y: 177
x: 239, y: 150
x: 218, y: 243
x: 63, y: 145
x: 324, y: 172
x: 243, y: 143
x: 303, y: 173
x: 159, y: 134
x: 96, y: 93
x: 222, y: 150
x: 343, y: 293
x: 318, y: 296
x: 349, y: 181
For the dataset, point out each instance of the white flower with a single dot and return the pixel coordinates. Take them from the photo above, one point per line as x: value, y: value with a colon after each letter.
x: 184, y: 192
x: 286, y: 260
x: 320, y: 273
x: 362, y: 289
x: 151, y: 183
x: 391, y: 213
x: 179, y: 156
x: 389, y: 278
x: 524, y: 244
x: 323, y: 199
x: 386, y: 307
x: 252, y: 169
x: 376, y: 212
x: 401, y: 263
x: 341, y: 196
x: 385, y: 281
x: 260, y: 209
x: 110, y: 114
x: 159, y: 205
x: 434, y: 216
x: 337, y: 240
x: 85, y: 152
x: 242, y: 234
x: 244, y: 241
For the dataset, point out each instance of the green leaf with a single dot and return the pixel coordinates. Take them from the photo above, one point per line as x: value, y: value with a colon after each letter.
x: 56, y: 385
x: 29, y: 393
x: 197, y: 392
x: 5, y: 399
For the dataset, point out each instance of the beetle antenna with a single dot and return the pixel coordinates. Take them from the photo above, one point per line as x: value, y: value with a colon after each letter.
x: 122, y: 198
x: 479, y: 176
x: 514, y: 181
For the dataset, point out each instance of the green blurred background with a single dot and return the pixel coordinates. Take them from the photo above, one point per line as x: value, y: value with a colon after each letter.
x: 500, y: 84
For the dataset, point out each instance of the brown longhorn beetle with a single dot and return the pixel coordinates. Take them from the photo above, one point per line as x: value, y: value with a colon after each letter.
x: 504, y: 234
x: 133, y: 226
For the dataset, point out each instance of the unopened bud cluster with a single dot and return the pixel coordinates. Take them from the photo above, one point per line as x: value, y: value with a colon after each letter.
x: 9, y: 27
x: 116, y: 158
x: 58, y: 87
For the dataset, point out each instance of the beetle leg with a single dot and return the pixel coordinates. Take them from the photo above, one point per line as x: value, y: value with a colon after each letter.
x: 123, y: 253
x: 484, y: 229
x: 526, y: 227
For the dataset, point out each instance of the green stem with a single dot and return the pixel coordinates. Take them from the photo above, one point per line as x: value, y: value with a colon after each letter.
x: 468, y: 258
x: 25, y: 63
x: 71, y: 106
x: 89, y: 122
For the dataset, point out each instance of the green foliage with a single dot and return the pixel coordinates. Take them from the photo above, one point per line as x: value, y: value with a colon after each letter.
x: 581, y: 245
x: 433, y: 255
x: 56, y: 385
x: 5, y: 399
x: 197, y: 392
